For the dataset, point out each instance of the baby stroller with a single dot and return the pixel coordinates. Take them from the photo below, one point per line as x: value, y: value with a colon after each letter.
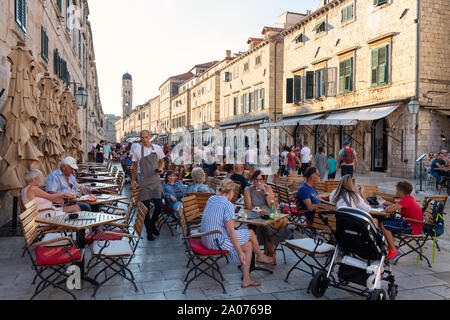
x: 361, y: 256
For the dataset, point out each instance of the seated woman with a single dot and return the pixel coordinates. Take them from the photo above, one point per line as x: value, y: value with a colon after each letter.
x: 260, y: 195
x: 174, y: 190
x: 346, y: 196
x: 409, y: 209
x: 43, y: 199
x: 198, y: 182
x: 219, y: 215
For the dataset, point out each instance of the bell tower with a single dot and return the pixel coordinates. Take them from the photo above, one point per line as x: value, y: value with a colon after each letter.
x: 127, y: 95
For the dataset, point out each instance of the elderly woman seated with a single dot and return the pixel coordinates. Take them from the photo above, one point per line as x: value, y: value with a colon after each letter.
x: 219, y: 214
x: 43, y: 199
x: 174, y: 190
x: 198, y: 184
x: 260, y: 195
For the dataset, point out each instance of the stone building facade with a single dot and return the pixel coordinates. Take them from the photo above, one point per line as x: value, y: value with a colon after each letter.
x: 354, y: 56
x: 154, y: 115
x: 59, y: 36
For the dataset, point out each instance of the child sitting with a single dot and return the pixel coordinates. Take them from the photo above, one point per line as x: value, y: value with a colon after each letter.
x: 409, y: 209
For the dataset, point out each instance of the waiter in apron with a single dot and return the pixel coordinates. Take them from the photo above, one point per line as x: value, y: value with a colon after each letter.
x: 150, y: 159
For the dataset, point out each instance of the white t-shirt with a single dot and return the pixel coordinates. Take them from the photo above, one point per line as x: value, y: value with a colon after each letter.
x: 361, y: 205
x: 136, y: 152
x: 306, y: 153
x: 252, y: 155
x: 283, y: 157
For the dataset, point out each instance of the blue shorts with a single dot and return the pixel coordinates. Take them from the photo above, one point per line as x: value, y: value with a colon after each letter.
x: 397, y: 226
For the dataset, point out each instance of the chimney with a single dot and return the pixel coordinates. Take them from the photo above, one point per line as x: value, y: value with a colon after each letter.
x: 253, y: 42
x: 308, y: 12
x: 228, y: 54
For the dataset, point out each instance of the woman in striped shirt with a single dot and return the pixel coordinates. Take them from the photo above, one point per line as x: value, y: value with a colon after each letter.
x: 219, y: 214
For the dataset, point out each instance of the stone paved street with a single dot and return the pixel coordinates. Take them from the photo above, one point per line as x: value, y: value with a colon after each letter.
x: 159, y: 269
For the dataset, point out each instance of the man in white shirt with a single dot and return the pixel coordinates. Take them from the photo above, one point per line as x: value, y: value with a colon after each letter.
x: 283, y: 160
x: 305, y: 158
x: 149, y: 157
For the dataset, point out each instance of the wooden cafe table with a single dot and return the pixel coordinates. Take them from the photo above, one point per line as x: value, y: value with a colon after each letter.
x: 80, y: 226
x: 98, y: 179
x: 259, y: 222
x: 101, y: 199
x: 99, y: 186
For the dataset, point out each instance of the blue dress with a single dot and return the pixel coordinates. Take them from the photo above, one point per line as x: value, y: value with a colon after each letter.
x: 218, y: 210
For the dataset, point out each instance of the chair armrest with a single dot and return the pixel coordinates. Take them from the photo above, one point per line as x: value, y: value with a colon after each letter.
x: 122, y: 225
x: 199, y: 235
x: 44, y: 243
x: 115, y: 234
x: 112, y: 207
x: 58, y: 230
x: 413, y: 220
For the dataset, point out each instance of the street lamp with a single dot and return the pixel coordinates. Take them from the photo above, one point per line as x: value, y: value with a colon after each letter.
x: 93, y: 117
x: 413, y: 107
x: 81, y: 97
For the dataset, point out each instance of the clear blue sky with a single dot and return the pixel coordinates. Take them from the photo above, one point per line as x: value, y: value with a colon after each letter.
x: 154, y: 39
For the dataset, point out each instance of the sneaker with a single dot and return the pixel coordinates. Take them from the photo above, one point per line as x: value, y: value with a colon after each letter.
x: 394, y: 257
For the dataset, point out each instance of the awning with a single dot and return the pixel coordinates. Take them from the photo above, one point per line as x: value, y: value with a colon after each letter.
x: 348, y: 118
x: 251, y: 123
x: 228, y: 127
x: 364, y: 114
x: 290, y: 122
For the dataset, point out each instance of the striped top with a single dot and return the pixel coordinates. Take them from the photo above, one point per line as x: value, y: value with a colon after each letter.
x: 218, y: 210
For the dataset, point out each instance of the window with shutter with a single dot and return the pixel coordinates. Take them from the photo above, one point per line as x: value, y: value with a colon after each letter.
x: 21, y: 14
x: 44, y: 44
x: 250, y: 102
x: 319, y: 83
x: 309, y: 85
x: 379, y: 66
x: 263, y: 95
x: 289, y: 90
x: 299, y: 38
x: 346, y: 75
x: 347, y: 13
x: 379, y: 2
x: 235, y: 105
x: 68, y: 16
x: 58, y: 3
x: 297, y: 89
x: 242, y: 104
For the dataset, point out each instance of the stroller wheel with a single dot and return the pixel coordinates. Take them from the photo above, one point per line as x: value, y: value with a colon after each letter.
x: 393, y: 291
x: 377, y: 294
x: 319, y: 284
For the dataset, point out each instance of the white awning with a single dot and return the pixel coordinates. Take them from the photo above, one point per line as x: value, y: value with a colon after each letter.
x: 228, y: 127
x: 290, y: 122
x: 245, y: 124
x: 364, y: 114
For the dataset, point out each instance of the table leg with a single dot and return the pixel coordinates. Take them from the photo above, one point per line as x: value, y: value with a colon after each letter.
x: 81, y: 242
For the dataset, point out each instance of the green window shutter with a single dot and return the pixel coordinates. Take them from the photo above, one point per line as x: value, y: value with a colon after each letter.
x: 297, y: 89
x: 382, y: 65
x: 344, y: 15
x: 58, y: 3
x: 263, y: 95
x: 374, y: 66
x: 350, y: 12
x: 341, y: 76
x: 309, y: 85
x: 289, y: 90
x: 351, y: 74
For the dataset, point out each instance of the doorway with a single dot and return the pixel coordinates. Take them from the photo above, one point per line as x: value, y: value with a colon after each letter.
x: 379, y: 146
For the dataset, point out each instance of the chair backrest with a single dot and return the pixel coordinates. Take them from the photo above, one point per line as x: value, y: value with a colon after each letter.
x: 442, y: 199
x: 428, y: 214
x: 28, y: 222
x: 237, y: 192
x: 322, y: 225
x: 140, y: 218
x: 283, y: 181
x: 114, y: 170
x: 202, y: 199
x: 120, y: 181
x: 284, y: 195
x: 191, y: 209
x: 321, y: 187
x: 371, y: 190
x: 182, y: 221
x: 332, y: 185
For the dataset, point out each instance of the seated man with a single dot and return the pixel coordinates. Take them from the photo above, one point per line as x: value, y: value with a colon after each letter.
x: 438, y: 163
x: 63, y: 180
x: 409, y: 208
x: 238, y: 176
x: 198, y: 182
x: 307, y: 195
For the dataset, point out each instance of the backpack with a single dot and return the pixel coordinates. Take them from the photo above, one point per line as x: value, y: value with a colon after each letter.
x: 437, y: 229
x: 348, y: 156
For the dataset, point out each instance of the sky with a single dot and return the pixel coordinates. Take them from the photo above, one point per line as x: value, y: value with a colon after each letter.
x: 156, y: 39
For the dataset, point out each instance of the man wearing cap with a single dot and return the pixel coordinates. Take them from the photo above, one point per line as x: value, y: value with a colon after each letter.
x: 347, y: 159
x: 63, y: 180
x: 149, y: 158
